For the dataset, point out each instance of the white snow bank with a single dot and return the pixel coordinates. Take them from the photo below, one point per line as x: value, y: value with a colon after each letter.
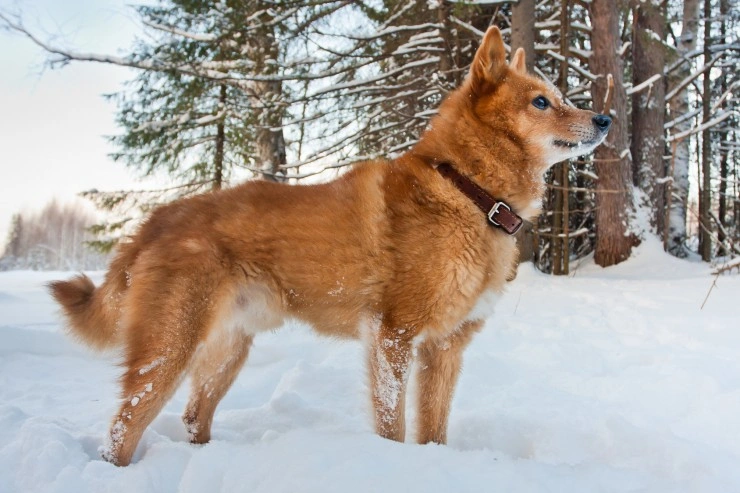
x: 611, y: 380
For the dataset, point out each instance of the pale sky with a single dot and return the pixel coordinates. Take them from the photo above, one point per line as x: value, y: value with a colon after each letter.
x: 53, y: 122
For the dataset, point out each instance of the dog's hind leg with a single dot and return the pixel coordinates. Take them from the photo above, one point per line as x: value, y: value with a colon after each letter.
x: 215, y: 368
x: 390, y: 356
x: 439, y: 364
x: 167, y: 319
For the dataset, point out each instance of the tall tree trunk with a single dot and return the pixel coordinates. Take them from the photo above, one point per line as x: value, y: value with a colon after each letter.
x: 679, y: 106
x: 522, y: 36
x: 445, y: 59
x: 705, y: 193
x: 736, y: 188
x: 218, y: 158
x: 559, y: 244
x: 614, y: 207
x: 270, y: 138
x: 523, y: 30
x: 648, y: 107
x: 724, y: 10
x: 267, y: 99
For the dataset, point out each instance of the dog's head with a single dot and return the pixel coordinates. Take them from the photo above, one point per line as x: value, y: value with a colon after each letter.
x: 505, y: 98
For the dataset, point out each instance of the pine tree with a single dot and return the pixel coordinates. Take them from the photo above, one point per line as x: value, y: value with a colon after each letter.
x: 274, y: 87
x: 194, y: 116
x: 191, y: 127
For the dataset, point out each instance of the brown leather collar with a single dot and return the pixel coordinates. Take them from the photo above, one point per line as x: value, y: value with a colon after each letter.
x: 499, y: 213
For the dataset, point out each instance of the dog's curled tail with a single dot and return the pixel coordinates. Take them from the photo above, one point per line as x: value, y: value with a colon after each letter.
x: 89, y: 318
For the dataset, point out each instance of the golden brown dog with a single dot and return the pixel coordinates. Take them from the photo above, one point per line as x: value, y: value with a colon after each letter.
x: 392, y: 251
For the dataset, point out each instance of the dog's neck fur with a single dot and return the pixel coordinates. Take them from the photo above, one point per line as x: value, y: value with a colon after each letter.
x: 500, y: 162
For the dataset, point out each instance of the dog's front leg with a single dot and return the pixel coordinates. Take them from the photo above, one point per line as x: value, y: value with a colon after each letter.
x: 390, y: 355
x: 439, y: 364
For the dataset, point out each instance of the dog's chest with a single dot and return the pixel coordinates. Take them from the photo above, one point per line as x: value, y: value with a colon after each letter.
x: 484, y: 306
x: 488, y: 282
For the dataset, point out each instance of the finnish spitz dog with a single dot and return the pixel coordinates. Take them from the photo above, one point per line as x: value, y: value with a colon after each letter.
x: 407, y: 255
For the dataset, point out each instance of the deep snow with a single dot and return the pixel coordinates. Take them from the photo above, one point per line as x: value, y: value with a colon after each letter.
x: 611, y: 380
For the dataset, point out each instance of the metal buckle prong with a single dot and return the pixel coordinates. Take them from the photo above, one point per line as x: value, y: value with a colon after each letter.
x: 494, y: 210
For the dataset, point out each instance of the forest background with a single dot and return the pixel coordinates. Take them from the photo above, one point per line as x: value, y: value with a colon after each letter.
x: 297, y: 91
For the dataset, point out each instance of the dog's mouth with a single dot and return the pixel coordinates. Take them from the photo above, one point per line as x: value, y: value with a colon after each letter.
x: 561, y: 149
x: 566, y: 144
x: 580, y: 144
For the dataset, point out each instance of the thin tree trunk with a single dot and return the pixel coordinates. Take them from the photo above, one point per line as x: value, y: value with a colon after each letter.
x: 445, y: 59
x: 736, y: 188
x: 270, y: 139
x: 648, y: 107
x: 724, y: 9
x: 523, y: 30
x: 559, y: 245
x: 679, y: 106
x: 614, y: 207
x: 523, y: 36
x: 705, y: 197
x: 218, y: 158
x: 564, y: 166
x: 268, y: 103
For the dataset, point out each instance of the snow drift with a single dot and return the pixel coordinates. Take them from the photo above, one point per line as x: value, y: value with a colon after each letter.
x: 606, y: 381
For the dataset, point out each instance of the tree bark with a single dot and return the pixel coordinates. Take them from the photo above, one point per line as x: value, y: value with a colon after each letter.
x: 270, y: 139
x: 705, y: 193
x: 523, y: 36
x: 218, y: 158
x: 724, y: 10
x: 522, y: 29
x: 559, y: 245
x: 648, y: 107
x: 267, y: 99
x: 679, y: 106
x: 614, y: 207
x: 445, y: 59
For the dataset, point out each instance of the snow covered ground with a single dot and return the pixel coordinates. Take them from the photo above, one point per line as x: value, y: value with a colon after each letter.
x: 607, y: 381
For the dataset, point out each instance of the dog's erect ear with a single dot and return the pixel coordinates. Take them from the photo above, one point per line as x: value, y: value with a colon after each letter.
x: 519, y: 61
x: 489, y: 63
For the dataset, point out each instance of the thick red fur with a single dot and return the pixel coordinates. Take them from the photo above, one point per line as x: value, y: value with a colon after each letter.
x: 390, y: 252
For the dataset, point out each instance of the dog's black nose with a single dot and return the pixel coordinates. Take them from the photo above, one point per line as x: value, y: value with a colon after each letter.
x: 603, y: 122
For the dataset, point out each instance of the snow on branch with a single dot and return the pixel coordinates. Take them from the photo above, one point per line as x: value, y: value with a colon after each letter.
x: 180, y: 32
x: 708, y: 124
x: 393, y: 30
x: 682, y: 118
x: 372, y: 80
x: 643, y: 85
x: 181, y: 120
x: 691, y: 77
x: 214, y: 70
x: 577, y: 68
x: 719, y: 49
x: 729, y: 92
x: 65, y: 56
x: 467, y: 26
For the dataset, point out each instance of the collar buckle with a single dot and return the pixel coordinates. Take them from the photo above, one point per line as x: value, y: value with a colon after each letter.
x: 509, y: 221
x: 495, y: 210
x: 498, y: 212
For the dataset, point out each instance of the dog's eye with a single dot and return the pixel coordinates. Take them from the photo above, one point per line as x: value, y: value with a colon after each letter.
x: 541, y: 103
